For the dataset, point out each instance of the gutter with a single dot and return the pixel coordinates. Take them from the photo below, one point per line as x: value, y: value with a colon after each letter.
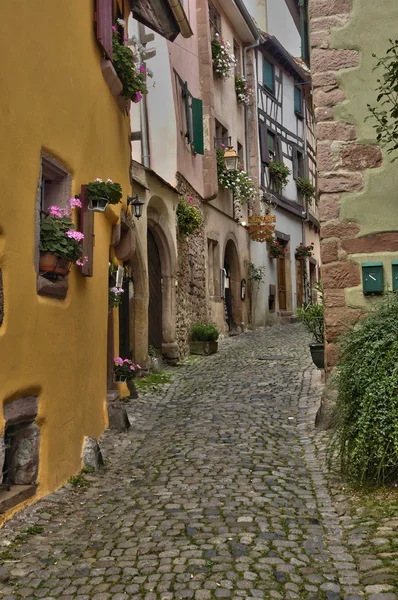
x: 249, y: 21
x: 181, y: 18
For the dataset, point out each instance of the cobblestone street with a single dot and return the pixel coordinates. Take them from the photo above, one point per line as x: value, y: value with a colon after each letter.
x: 216, y: 491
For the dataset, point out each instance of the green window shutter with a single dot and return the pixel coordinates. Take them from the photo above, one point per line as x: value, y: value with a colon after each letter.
x: 271, y: 143
x: 197, y: 125
x: 268, y: 75
x: 298, y: 105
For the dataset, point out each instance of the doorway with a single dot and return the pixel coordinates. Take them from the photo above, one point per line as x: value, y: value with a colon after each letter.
x: 155, y: 337
x: 299, y: 283
x: 227, y: 295
x: 282, y: 281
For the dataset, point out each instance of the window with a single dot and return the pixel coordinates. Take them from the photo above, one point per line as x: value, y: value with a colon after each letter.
x: 298, y: 164
x: 190, y: 116
x: 298, y: 101
x: 268, y: 76
x: 240, y: 154
x: 238, y: 56
x: 215, y: 21
x: 55, y: 185
x: 271, y: 145
x: 222, y: 139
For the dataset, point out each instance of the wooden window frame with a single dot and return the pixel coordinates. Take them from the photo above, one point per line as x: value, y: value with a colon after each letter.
x: 266, y: 61
x: 214, y: 21
x: 299, y: 113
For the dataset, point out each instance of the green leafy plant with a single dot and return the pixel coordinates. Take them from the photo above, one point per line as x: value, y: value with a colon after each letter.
x: 238, y: 181
x: 223, y: 62
x: 124, y: 367
x: 256, y: 278
x: 313, y: 318
x: 188, y: 216
x: 79, y: 481
x: 306, y: 188
x: 58, y: 234
x: 33, y: 529
x: 129, y: 67
x: 243, y: 92
x: 108, y: 190
x: 303, y: 251
x: 204, y: 332
x: 279, y: 173
x: 366, y: 437
x: 386, y: 113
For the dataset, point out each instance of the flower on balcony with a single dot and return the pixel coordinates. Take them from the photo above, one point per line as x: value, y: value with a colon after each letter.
x: 303, y: 251
x: 58, y: 235
x: 306, y: 188
x: 275, y: 249
x: 129, y: 67
x: 238, y: 181
x: 279, y: 173
x: 223, y: 62
x: 243, y: 92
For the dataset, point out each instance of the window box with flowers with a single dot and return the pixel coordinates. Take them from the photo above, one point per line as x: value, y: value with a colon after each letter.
x: 279, y: 173
x: 306, y: 188
x: 243, y: 92
x: 124, y: 369
x: 129, y: 67
x: 189, y: 218
x: 224, y: 63
x: 275, y: 249
x: 303, y: 251
x: 60, y: 243
x: 101, y: 193
x: 237, y: 181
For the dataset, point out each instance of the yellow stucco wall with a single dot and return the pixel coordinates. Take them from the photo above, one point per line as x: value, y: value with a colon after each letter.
x: 54, y: 99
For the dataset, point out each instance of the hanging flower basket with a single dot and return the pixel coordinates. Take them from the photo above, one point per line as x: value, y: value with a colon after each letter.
x: 238, y: 181
x: 101, y: 193
x: 306, y: 188
x: 275, y: 249
x: 243, y: 92
x: 279, y: 173
x: 223, y: 62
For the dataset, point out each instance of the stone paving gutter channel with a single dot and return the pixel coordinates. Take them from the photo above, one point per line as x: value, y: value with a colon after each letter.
x: 218, y: 490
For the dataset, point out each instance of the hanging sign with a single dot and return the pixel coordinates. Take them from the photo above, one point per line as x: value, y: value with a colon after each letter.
x: 261, y: 229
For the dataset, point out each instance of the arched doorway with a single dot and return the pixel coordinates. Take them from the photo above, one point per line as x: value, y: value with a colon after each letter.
x: 232, y: 299
x: 155, y: 308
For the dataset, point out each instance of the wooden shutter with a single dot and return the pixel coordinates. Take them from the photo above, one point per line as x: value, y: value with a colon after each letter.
x: 278, y: 149
x: 264, y: 148
x: 187, y: 113
x: 268, y: 76
x: 87, y: 227
x: 103, y: 16
x: 295, y: 163
x: 197, y: 125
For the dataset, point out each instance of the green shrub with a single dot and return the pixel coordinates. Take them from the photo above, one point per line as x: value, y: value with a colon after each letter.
x: 204, y: 332
x: 366, y: 438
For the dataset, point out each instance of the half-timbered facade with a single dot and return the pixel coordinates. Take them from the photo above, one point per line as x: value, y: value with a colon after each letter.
x: 286, y: 139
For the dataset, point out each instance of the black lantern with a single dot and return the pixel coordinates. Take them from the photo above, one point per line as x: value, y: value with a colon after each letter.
x: 136, y: 204
x: 231, y: 159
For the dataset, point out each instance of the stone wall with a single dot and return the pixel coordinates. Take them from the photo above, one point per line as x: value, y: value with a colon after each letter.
x: 192, y: 305
x: 344, y: 157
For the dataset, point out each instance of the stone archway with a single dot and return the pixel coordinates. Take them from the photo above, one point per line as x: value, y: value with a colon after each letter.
x: 233, y: 302
x: 159, y: 237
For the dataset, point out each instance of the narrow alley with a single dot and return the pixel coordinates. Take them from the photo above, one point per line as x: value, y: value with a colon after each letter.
x: 216, y: 491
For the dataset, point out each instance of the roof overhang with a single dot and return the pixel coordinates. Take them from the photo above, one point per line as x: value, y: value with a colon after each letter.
x: 283, y: 58
x: 166, y: 17
x: 241, y: 20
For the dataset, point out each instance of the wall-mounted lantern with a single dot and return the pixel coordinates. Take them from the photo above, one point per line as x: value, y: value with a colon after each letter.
x: 136, y: 205
x: 231, y: 159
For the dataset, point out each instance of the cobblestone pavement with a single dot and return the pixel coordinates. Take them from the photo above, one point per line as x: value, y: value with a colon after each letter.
x: 217, y: 491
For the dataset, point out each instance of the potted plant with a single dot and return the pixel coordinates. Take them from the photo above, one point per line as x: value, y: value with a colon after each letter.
x: 204, y: 338
x: 188, y: 216
x: 101, y: 193
x: 124, y: 369
x: 279, y: 173
x: 129, y: 67
x: 303, y: 251
x: 237, y: 181
x: 223, y: 62
x: 60, y: 243
x: 243, y: 92
x: 312, y: 317
x: 114, y: 297
x: 306, y: 188
x: 275, y: 249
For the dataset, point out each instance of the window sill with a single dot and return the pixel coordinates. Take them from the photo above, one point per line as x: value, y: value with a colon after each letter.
x: 54, y: 289
x: 299, y: 115
x: 114, y: 84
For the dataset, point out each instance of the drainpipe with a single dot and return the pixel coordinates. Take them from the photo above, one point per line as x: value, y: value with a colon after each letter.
x: 181, y: 18
x: 247, y: 137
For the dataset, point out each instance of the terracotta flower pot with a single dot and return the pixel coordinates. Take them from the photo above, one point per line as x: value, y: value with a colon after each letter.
x: 51, y: 263
x: 98, y: 205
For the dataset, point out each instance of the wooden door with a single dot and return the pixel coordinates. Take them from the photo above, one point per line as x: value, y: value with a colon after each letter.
x: 227, y: 296
x: 155, y: 337
x: 299, y: 283
x: 282, y: 282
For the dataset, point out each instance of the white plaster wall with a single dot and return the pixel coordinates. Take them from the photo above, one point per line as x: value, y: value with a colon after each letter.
x: 161, y: 111
x: 281, y: 25
x: 258, y: 12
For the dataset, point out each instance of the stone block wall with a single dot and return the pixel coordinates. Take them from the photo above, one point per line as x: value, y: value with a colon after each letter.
x: 191, y: 293
x: 343, y: 160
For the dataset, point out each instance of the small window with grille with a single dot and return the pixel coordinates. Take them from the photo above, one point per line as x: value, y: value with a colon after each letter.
x: 215, y: 21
